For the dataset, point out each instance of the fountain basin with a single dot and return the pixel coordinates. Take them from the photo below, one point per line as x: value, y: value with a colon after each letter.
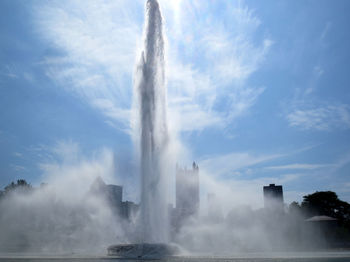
x: 143, y: 250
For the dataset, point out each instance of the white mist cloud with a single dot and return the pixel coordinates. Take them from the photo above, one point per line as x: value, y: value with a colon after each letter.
x: 224, y: 176
x: 71, y: 172
x: 237, y: 191
x: 236, y: 221
x: 62, y: 216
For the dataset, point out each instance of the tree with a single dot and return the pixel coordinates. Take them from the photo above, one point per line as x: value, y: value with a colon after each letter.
x: 294, y: 208
x: 20, y: 186
x: 326, y: 203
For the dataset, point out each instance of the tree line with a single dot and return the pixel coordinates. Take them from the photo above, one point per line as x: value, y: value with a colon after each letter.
x: 323, y: 203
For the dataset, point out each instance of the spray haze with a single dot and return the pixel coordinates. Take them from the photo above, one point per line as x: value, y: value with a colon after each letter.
x: 61, y: 216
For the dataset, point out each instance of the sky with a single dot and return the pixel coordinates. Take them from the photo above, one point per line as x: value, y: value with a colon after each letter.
x: 257, y: 92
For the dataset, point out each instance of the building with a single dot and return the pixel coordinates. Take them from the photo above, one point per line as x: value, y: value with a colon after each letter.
x: 187, y: 192
x: 273, y: 197
x: 113, y: 197
x: 129, y: 210
x: 111, y: 194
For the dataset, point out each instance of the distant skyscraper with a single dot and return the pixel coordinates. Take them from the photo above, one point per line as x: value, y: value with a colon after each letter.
x: 115, y: 196
x: 129, y: 210
x: 187, y: 191
x: 273, y: 197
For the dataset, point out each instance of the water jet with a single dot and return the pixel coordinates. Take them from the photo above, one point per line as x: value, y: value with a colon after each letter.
x: 150, y: 90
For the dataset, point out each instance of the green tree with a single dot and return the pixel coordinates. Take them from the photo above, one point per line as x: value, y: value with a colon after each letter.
x: 294, y: 208
x: 20, y: 186
x: 326, y: 203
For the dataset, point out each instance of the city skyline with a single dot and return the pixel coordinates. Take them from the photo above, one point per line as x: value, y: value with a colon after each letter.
x: 257, y: 93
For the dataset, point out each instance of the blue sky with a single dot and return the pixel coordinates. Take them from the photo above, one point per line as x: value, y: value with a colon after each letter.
x: 257, y: 91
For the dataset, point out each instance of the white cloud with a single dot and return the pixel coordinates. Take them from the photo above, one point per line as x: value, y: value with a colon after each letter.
x: 17, y: 154
x: 99, y: 43
x: 321, y: 118
x: 299, y: 166
x: 208, y: 60
x: 109, y: 109
x: 232, y: 162
x: 190, y: 117
x: 10, y: 71
x: 242, y: 100
x: 18, y: 168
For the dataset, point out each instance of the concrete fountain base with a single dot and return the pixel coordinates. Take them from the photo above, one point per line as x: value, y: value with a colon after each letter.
x: 143, y: 250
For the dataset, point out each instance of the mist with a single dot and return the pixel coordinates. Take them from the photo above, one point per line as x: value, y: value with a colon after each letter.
x: 244, y: 230
x: 232, y: 220
x: 62, y: 216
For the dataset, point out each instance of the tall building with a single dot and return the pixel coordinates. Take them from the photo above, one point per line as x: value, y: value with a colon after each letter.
x: 273, y: 197
x: 129, y: 210
x: 114, y: 196
x: 187, y: 191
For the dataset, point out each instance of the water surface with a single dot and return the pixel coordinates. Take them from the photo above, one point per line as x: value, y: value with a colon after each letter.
x: 245, y: 257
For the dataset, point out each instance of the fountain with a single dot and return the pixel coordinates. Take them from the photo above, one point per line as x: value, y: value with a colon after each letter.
x: 150, y: 87
x: 151, y: 93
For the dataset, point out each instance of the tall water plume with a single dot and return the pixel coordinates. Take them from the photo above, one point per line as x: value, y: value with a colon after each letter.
x: 150, y: 87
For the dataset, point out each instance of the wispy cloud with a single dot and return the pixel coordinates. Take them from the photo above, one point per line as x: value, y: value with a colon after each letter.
x: 233, y: 162
x: 112, y: 111
x: 326, y: 29
x: 299, y: 166
x: 308, y: 108
x: 320, y: 118
x: 17, y: 154
x: 318, y: 71
x: 18, y: 168
x: 9, y: 71
x: 98, y: 42
x: 208, y: 62
x: 341, y: 162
